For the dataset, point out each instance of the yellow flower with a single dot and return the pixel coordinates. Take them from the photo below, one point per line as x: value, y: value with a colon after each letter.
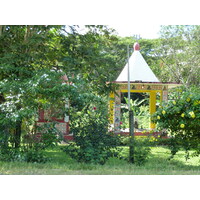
x: 188, y: 99
x: 163, y: 112
x: 158, y: 117
x: 174, y: 102
x: 183, y: 115
x: 182, y: 125
x: 192, y: 114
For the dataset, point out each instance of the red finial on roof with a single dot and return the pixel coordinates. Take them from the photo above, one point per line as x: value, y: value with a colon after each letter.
x: 136, y: 47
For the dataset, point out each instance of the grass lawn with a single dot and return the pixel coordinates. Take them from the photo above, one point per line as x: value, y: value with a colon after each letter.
x: 61, y: 164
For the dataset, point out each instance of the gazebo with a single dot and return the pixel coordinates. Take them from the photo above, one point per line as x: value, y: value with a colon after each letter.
x: 142, y: 80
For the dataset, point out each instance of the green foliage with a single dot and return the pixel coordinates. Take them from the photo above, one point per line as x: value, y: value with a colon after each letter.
x: 141, y: 114
x: 92, y: 141
x: 179, y: 54
x: 34, y: 156
x: 33, y: 146
x: 134, y: 105
x: 61, y: 164
x: 174, y: 57
x: 34, y: 58
x: 32, y: 61
x: 180, y: 118
x: 26, y: 69
x: 10, y: 154
x: 141, y: 150
x: 162, y: 141
x: 91, y: 56
x: 50, y: 136
x: 13, y: 155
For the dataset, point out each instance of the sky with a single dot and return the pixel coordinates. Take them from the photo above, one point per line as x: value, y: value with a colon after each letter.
x: 128, y: 17
x: 145, y: 31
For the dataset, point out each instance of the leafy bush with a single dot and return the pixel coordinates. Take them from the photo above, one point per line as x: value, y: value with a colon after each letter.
x: 7, y: 152
x: 4, y: 138
x: 35, y: 156
x: 181, y: 119
x: 32, y: 147
x: 141, y: 150
x: 92, y: 141
x: 162, y: 141
x: 11, y: 155
x: 49, y: 138
x: 141, y: 114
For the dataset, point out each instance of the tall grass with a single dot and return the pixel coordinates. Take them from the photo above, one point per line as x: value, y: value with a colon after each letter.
x: 62, y: 164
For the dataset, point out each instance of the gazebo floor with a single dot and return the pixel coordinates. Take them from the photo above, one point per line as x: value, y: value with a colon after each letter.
x: 141, y: 133
x: 137, y: 132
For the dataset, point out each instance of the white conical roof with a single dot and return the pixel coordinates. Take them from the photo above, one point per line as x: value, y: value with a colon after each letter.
x: 139, y: 69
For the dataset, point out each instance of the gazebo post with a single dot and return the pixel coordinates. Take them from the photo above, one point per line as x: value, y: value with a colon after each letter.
x: 152, y: 107
x: 117, y: 112
x: 111, y: 107
x: 161, y: 96
x: 165, y: 95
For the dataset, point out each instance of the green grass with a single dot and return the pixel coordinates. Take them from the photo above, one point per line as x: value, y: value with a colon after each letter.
x: 61, y: 164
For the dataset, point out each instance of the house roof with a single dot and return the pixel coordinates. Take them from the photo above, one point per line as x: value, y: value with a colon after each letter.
x: 139, y: 69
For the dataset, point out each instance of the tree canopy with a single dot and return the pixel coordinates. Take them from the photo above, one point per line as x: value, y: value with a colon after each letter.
x: 34, y: 58
x: 179, y: 51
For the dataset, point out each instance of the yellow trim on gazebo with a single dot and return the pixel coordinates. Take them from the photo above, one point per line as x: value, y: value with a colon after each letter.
x: 111, y: 107
x: 152, y: 103
x: 152, y: 106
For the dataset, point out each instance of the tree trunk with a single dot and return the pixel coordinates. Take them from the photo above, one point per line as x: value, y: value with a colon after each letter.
x: 18, y: 132
x: 2, y: 99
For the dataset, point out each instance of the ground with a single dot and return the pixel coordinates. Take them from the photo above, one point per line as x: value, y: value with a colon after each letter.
x: 61, y: 164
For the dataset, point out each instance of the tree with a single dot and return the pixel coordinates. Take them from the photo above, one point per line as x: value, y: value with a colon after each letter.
x: 32, y: 61
x: 179, y: 53
x: 93, y: 142
x: 90, y: 56
x: 25, y: 55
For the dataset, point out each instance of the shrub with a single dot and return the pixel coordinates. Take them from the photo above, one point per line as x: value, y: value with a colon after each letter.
x: 141, y: 114
x: 141, y: 150
x: 50, y: 136
x: 92, y: 141
x: 32, y: 155
x: 10, y: 154
x: 32, y: 148
x: 162, y: 141
x: 181, y: 119
x: 35, y: 156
